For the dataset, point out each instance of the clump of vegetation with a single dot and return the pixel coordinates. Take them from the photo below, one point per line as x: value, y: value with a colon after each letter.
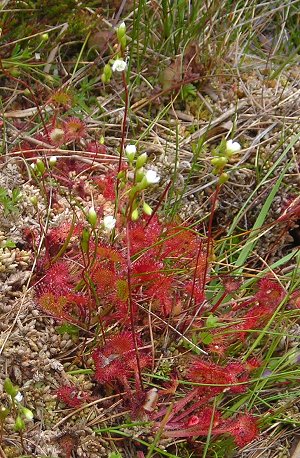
x: 176, y: 323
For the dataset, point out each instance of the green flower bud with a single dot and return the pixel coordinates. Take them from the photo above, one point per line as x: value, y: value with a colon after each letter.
x: 27, y: 413
x: 52, y: 161
x: 223, y: 178
x: 34, y: 200
x: 92, y: 217
x: 45, y: 36
x: 141, y: 160
x: 19, y: 424
x: 147, y: 209
x: 85, y: 237
x: 121, y: 175
x: 219, y: 162
x: 40, y: 166
x: 123, y: 42
x: 9, y: 388
x: 121, y: 31
x: 3, y: 413
x: 135, y: 215
x: 107, y: 71
x: 139, y: 175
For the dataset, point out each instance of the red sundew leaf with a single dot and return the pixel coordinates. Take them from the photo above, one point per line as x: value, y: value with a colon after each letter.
x: 197, y: 425
x: 96, y: 148
x: 104, y: 279
x: 196, y: 290
x: 57, y: 280
x: 107, y: 186
x: 57, y: 236
x: 243, y: 429
x: 212, y: 374
x: 55, y: 306
x: 142, y: 238
x: 68, y: 441
x: 107, y: 253
x: 108, y: 369
x: 270, y: 293
x: 119, y: 344
x: 146, y: 269
x: 180, y: 242
x: 295, y: 299
x: 253, y: 363
x: 254, y: 319
x: 162, y: 291
x: 116, y: 360
x: 231, y: 284
x: 207, y: 373
x: 71, y: 396
x: 75, y: 129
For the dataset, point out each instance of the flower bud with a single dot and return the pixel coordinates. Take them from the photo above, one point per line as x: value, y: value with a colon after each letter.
x: 135, y: 215
x: 9, y: 388
x: 123, y: 42
x: 27, y: 413
x: 219, y: 161
x: 92, y: 217
x: 3, y: 413
x: 107, y: 73
x: 34, y: 200
x: 85, y: 237
x: 141, y: 160
x: 52, y: 161
x: 147, y: 209
x: 139, y: 174
x: 19, y: 424
x: 223, y: 178
x: 45, y: 36
x: 121, y: 30
x: 40, y: 166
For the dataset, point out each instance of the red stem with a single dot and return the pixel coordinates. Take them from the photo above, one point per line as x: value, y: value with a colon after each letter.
x: 218, y: 303
x: 124, y: 120
x: 159, y: 203
x: 131, y: 304
x: 209, y: 236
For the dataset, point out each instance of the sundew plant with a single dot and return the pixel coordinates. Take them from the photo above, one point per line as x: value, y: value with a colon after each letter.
x: 149, y: 235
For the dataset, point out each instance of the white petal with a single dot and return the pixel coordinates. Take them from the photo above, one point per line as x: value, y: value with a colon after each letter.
x: 109, y: 222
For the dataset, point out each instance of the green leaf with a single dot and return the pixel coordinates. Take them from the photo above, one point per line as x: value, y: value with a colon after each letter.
x: 9, y: 244
x: 68, y: 328
x: 211, y: 321
x: 206, y: 337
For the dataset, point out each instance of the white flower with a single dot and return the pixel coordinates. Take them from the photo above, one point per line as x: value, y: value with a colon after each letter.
x: 233, y: 147
x: 152, y: 177
x: 109, y: 222
x: 119, y: 65
x: 130, y: 149
x: 19, y: 397
x: 52, y: 160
